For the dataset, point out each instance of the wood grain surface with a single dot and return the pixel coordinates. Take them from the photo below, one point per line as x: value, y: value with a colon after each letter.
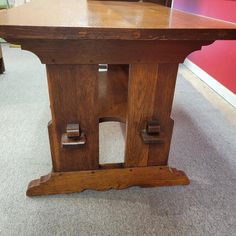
x: 150, y: 96
x: 111, y: 51
x: 73, y: 91
x: 112, y: 94
x: 71, y: 182
x: 82, y: 19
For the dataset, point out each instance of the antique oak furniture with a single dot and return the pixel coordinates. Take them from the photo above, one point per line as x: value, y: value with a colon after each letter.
x: 72, y: 38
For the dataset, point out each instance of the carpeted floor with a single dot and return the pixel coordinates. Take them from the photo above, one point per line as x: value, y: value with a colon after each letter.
x: 203, y: 145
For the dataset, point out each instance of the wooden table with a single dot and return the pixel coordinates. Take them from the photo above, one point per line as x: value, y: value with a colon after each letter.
x: 72, y: 38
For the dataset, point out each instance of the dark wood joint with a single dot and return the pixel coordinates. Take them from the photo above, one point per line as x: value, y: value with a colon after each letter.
x: 153, y: 127
x: 152, y: 134
x: 73, y: 137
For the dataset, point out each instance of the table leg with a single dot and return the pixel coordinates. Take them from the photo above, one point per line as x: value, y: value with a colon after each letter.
x: 139, y: 92
x: 73, y: 91
x: 151, y: 91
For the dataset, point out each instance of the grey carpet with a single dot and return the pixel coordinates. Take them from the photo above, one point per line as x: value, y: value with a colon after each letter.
x: 204, y: 146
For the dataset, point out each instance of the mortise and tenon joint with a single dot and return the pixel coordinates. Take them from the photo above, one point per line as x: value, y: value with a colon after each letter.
x: 152, y: 134
x: 73, y: 136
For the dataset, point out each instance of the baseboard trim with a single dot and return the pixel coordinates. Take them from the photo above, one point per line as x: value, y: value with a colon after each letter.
x: 225, y: 93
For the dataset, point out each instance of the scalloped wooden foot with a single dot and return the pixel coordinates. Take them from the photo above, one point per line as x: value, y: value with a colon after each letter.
x: 71, y: 182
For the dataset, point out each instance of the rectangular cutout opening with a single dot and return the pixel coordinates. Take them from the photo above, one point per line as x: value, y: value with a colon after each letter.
x: 111, y: 142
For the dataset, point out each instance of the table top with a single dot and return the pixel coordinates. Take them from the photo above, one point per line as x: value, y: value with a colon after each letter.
x: 82, y: 19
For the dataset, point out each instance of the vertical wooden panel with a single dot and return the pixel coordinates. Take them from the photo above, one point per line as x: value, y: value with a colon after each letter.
x: 150, y: 96
x: 141, y: 95
x: 73, y: 91
x: 158, y: 154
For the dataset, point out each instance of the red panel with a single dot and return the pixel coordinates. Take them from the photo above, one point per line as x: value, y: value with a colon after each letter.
x: 218, y: 59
